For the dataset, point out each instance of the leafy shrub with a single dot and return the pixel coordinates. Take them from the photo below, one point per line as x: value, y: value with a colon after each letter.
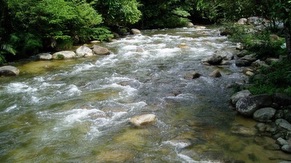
x: 259, y: 42
x: 276, y: 78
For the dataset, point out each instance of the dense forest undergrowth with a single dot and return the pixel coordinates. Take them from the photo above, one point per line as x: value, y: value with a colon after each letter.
x: 29, y: 27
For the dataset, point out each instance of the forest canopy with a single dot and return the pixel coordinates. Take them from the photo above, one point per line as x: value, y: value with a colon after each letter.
x: 28, y: 27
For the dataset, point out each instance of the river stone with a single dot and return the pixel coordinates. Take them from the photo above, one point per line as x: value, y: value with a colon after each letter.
x: 286, y: 148
x: 192, y: 75
x: 183, y: 46
x: 84, y: 51
x: 45, y: 56
x: 115, y: 155
x: 264, y: 114
x: 282, y: 141
x: 9, y: 71
x: 248, y: 105
x: 283, y: 124
x: 99, y: 50
x: 244, y: 93
x: 282, y: 99
x: 135, y: 31
x: 64, y: 55
x: 216, y: 73
x: 243, y: 131
x: 213, y: 60
x: 242, y: 21
x: 142, y: 120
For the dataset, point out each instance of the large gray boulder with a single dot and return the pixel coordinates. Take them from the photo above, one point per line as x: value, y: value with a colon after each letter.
x: 248, y: 105
x: 247, y: 60
x: 241, y: 94
x: 264, y: 114
x: 242, y: 21
x: 283, y: 124
x: 9, y: 71
x: 45, y: 56
x: 84, y: 51
x: 142, y: 120
x: 135, y: 31
x: 213, y: 60
x: 64, y: 55
x: 99, y: 50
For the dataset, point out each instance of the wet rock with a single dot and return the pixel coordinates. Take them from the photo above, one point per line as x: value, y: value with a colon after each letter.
x: 248, y: 105
x: 64, y: 55
x: 261, y: 127
x: 242, y: 21
x: 241, y: 94
x: 282, y: 141
x: 213, y: 60
x: 99, y: 50
x: 239, y: 46
x: 192, y: 75
x: 283, y: 124
x: 115, y: 155
x: 282, y: 99
x: 84, y: 51
x: 183, y: 46
x: 139, y: 49
x: 135, y: 31
x: 226, y: 54
x: 45, y: 56
x: 286, y: 148
x: 243, y: 131
x: 9, y: 71
x: 189, y: 24
x: 216, y: 73
x: 242, y: 53
x: 200, y: 27
x: 143, y: 120
x: 245, y: 61
x: 264, y: 114
x: 259, y: 63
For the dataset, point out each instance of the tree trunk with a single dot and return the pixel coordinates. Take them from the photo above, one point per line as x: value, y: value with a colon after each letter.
x: 288, y: 40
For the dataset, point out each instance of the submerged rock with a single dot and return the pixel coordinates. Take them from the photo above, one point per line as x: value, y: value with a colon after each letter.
x: 9, y: 71
x: 142, y: 120
x: 283, y: 124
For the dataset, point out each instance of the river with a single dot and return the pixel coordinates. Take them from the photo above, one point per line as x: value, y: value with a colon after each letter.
x: 78, y: 110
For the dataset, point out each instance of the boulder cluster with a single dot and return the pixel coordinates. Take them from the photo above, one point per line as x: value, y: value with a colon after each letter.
x: 82, y: 51
x: 272, y: 112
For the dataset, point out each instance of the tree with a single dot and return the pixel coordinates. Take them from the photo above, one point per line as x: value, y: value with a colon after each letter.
x: 118, y: 12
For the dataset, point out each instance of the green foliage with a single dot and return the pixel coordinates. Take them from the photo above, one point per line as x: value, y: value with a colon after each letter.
x: 164, y: 13
x: 276, y: 78
x: 118, y: 12
x: 261, y: 43
x: 101, y: 34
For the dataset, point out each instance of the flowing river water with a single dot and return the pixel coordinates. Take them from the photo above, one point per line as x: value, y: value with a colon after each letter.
x: 78, y: 110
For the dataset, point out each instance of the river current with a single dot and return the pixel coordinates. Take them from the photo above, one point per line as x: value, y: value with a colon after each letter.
x: 78, y: 110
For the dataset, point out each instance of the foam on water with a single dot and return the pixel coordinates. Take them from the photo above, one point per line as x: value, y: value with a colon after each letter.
x: 11, y: 108
x: 20, y: 88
